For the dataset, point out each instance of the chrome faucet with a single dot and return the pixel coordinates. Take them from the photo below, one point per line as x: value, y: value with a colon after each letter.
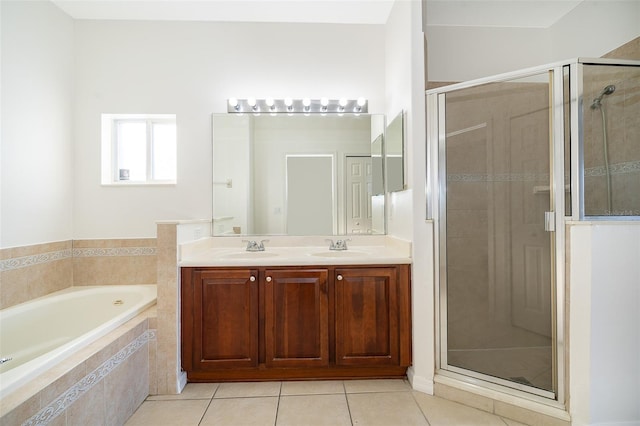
x: 255, y: 246
x: 338, y: 245
x: 3, y: 360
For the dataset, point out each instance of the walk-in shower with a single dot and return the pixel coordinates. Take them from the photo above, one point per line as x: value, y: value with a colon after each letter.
x: 511, y: 158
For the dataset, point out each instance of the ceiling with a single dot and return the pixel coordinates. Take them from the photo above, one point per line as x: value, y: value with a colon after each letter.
x: 483, y: 13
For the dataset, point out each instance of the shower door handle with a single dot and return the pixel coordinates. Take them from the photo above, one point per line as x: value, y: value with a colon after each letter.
x: 550, y: 221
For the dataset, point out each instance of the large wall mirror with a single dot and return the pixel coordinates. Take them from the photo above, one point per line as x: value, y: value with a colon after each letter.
x: 394, y: 154
x: 298, y: 174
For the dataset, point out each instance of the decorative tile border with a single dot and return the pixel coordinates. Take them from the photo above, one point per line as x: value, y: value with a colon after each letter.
x: 117, y: 251
x: 37, y: 259
x: 25, y: 261
x: 614, y: 169
x: 71, y: 395
x: 500, y: 177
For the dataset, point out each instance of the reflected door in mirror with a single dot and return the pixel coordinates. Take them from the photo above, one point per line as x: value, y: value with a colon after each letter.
x: 359, y: 181
x: 310, y: 200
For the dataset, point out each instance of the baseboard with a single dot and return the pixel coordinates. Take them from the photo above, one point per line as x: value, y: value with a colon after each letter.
x: 419, y: 383
x: 182, y: 381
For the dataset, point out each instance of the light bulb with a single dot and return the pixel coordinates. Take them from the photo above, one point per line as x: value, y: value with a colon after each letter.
x: 306, y: 102
x: 343, y: 102
x: 269, y: 102
x: 251, y: 102
x: 233, y: 102
x: 361, y: 102
x: 288, y: 101
x: 324, y: 102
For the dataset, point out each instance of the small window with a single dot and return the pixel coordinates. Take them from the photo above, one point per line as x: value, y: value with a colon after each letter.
x: 138, y: 149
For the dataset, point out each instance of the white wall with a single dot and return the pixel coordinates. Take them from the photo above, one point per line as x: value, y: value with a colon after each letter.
x: 407, y: 212
x: 37, y: 88
x: 190, y: 69
x: 591, y: 29
x: 594, y: 28
x: 605, y: 323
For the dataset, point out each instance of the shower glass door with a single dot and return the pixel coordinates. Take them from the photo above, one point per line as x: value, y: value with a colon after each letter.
x: 496, y: 253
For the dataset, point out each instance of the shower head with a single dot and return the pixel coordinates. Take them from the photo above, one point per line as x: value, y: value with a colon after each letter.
x: 597, y: 102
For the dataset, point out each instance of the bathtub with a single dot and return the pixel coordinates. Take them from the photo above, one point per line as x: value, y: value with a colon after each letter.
x: 39, y: 333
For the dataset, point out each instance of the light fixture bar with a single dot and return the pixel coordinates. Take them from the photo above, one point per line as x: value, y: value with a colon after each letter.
x: 288, y: 105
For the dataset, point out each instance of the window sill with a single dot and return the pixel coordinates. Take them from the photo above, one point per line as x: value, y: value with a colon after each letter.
x: 124, y: 184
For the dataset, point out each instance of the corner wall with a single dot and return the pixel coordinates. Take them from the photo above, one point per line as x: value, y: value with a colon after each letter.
x: 37, y: 88
x: 405, y: 80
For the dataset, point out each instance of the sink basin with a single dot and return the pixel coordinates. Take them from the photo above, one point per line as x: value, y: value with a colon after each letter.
x: 345, y: 253
x: 250, y: 255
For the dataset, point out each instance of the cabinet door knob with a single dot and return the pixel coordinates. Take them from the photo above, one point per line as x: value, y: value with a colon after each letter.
x: 339, y: 277
x: 252, y: 278
x: 268, y: 279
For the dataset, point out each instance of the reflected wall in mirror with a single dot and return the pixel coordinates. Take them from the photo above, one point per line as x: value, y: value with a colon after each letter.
x: 298, y: 174
x: 394, y: 138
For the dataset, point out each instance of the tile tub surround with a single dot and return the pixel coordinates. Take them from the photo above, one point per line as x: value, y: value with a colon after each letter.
x: 29, y: 272
x: 335, y: 402
x: 115, y: 261
x: 103, y: 383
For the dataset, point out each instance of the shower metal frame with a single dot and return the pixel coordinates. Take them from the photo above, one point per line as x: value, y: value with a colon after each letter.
x: 436, y: 211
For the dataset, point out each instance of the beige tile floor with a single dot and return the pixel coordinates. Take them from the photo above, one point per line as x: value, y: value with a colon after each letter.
x: 311, y: 403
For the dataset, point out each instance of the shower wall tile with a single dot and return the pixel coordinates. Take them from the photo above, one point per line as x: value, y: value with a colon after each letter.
x: 630, y: 50
x: 33, y: 271
x: 622, y: 114
x: 114, y: 261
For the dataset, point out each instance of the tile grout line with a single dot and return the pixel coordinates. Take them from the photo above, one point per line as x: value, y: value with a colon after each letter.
x: 346, y: 398
x: 420, y: 408
x: 204, y: 413
x: 275, y: 421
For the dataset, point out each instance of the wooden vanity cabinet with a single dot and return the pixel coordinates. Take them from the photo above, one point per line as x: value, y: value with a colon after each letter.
x: 367, y: 315
x: 220, y: 318
x: 296, y: 310
x: 299, y: 322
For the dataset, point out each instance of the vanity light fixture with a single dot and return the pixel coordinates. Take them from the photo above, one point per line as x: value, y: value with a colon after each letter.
x: 306, y: 105
x: 270, y: 103
x: 325, y: 103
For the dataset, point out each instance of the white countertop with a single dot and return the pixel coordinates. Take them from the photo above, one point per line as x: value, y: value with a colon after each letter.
x: 294, y: 251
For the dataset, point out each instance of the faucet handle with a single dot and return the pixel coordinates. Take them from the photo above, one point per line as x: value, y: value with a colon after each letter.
x: 332, y: 245
x: 251, y: 245
x: 261, y: 245
x: 342, y: 244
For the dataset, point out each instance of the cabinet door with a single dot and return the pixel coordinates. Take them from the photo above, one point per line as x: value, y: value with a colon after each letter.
x: 225, y: 319
x: 296, y: 318
x: 367, y: 326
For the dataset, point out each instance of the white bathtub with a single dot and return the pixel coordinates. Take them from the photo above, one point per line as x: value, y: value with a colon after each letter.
x: 39, y: 333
